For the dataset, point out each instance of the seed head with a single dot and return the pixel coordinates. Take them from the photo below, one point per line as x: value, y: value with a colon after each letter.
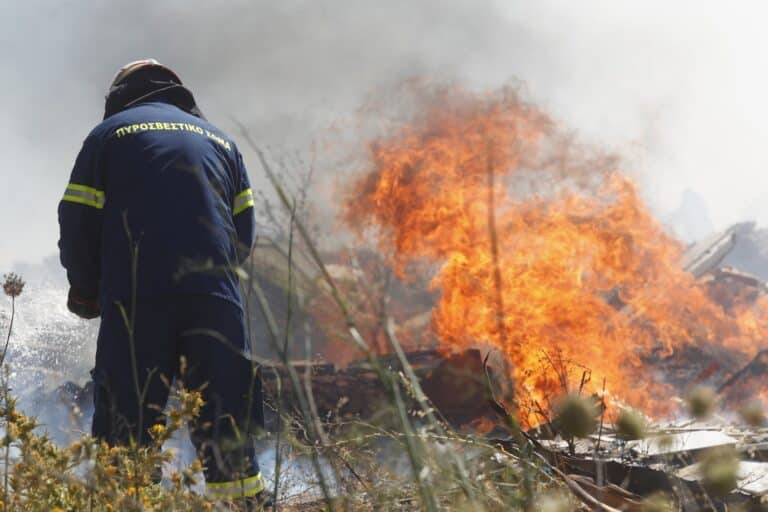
x: 658, y: 502
x: 13, y: 285
x: 702, y: 402
x: 753, y: 414
x: 554, y: 502
x: 631, y: 425
x: 719, y: 469
x: 576, y: 415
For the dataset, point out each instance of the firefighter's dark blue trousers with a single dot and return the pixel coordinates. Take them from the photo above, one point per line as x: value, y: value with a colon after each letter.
x: 209, y: 335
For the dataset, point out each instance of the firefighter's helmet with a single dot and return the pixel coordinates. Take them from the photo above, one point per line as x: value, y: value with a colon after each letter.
x: 142, y: 80
x: 141, y: 71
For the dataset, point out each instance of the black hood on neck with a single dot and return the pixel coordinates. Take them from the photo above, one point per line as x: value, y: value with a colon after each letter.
x: 149, y: 85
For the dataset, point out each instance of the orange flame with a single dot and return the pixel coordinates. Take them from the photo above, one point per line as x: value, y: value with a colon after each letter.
x: 547, y: 255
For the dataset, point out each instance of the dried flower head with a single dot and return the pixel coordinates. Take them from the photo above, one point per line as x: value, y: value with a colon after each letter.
x: 576, y: 415
x: 658, y: 502
x: 554, y: 502
x: 702, y: 402
x: 719, y: 469
x: 753, y: 414
x: 631, y: 425
x: 13, y: 285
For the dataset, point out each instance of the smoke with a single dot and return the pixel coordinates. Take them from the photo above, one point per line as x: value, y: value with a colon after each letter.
x: 677, y: 88
x: 286, y: 69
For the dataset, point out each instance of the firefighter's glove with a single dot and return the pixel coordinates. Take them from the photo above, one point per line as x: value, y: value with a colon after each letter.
x: 83, y: 304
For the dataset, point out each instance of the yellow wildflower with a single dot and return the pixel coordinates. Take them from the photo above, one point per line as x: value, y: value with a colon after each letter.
x: 158, y: 430
x: 75, y: 448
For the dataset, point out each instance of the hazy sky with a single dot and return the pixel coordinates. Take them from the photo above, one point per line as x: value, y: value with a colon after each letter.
x: 681, y: 87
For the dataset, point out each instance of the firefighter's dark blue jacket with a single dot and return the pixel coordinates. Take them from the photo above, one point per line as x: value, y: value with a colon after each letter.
x: 158, y: 204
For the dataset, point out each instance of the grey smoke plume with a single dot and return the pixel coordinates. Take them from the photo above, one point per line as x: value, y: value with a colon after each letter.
x: 284, y: 68
x: 674, y: 86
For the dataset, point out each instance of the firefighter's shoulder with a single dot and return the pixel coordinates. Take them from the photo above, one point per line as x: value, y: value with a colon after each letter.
x: 141, y: 120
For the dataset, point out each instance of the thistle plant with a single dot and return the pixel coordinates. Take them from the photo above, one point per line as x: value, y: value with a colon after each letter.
x: 13, y: 285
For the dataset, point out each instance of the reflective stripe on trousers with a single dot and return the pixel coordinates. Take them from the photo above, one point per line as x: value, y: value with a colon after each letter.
x: 244, y: 487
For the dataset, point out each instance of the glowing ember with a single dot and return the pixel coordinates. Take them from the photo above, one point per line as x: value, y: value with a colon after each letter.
x: 575, y: 284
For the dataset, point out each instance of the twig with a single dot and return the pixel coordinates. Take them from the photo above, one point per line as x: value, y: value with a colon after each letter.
x: 10, y: 329
x: 7, y: 454
x: 602, y: 418
x: 493, y: 235
x: 599, y: 463
x: 286, y: 337
x: 426, y: 407
x: 130, y: 324
x: 498, y: 407
x: 278, y: 436
x: 297, y: 387
x: 580, y: 493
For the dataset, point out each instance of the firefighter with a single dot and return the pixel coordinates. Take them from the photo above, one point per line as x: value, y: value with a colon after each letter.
x: 155, y: 220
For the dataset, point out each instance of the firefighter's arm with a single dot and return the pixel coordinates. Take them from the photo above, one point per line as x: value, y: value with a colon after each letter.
x: 243, y: 213
x: 80, y: 223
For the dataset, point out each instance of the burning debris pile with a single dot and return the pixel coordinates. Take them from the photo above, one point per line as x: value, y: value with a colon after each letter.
x: 736, y: 377
x: 605, y: 466
x: 546, y: 253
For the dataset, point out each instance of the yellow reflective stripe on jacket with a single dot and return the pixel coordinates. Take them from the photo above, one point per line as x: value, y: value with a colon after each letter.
x: 243, y: 200
x: 82, y: 194
x: 245, y: 487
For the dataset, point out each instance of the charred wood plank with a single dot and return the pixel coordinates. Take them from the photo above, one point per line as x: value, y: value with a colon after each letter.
x: 453, y: 384
x: 757, y: 367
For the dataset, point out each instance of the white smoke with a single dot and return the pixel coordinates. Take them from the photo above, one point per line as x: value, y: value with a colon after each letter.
x: 678, y: 87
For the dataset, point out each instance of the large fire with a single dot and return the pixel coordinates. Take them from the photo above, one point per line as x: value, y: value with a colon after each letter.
x: 547, y: 255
